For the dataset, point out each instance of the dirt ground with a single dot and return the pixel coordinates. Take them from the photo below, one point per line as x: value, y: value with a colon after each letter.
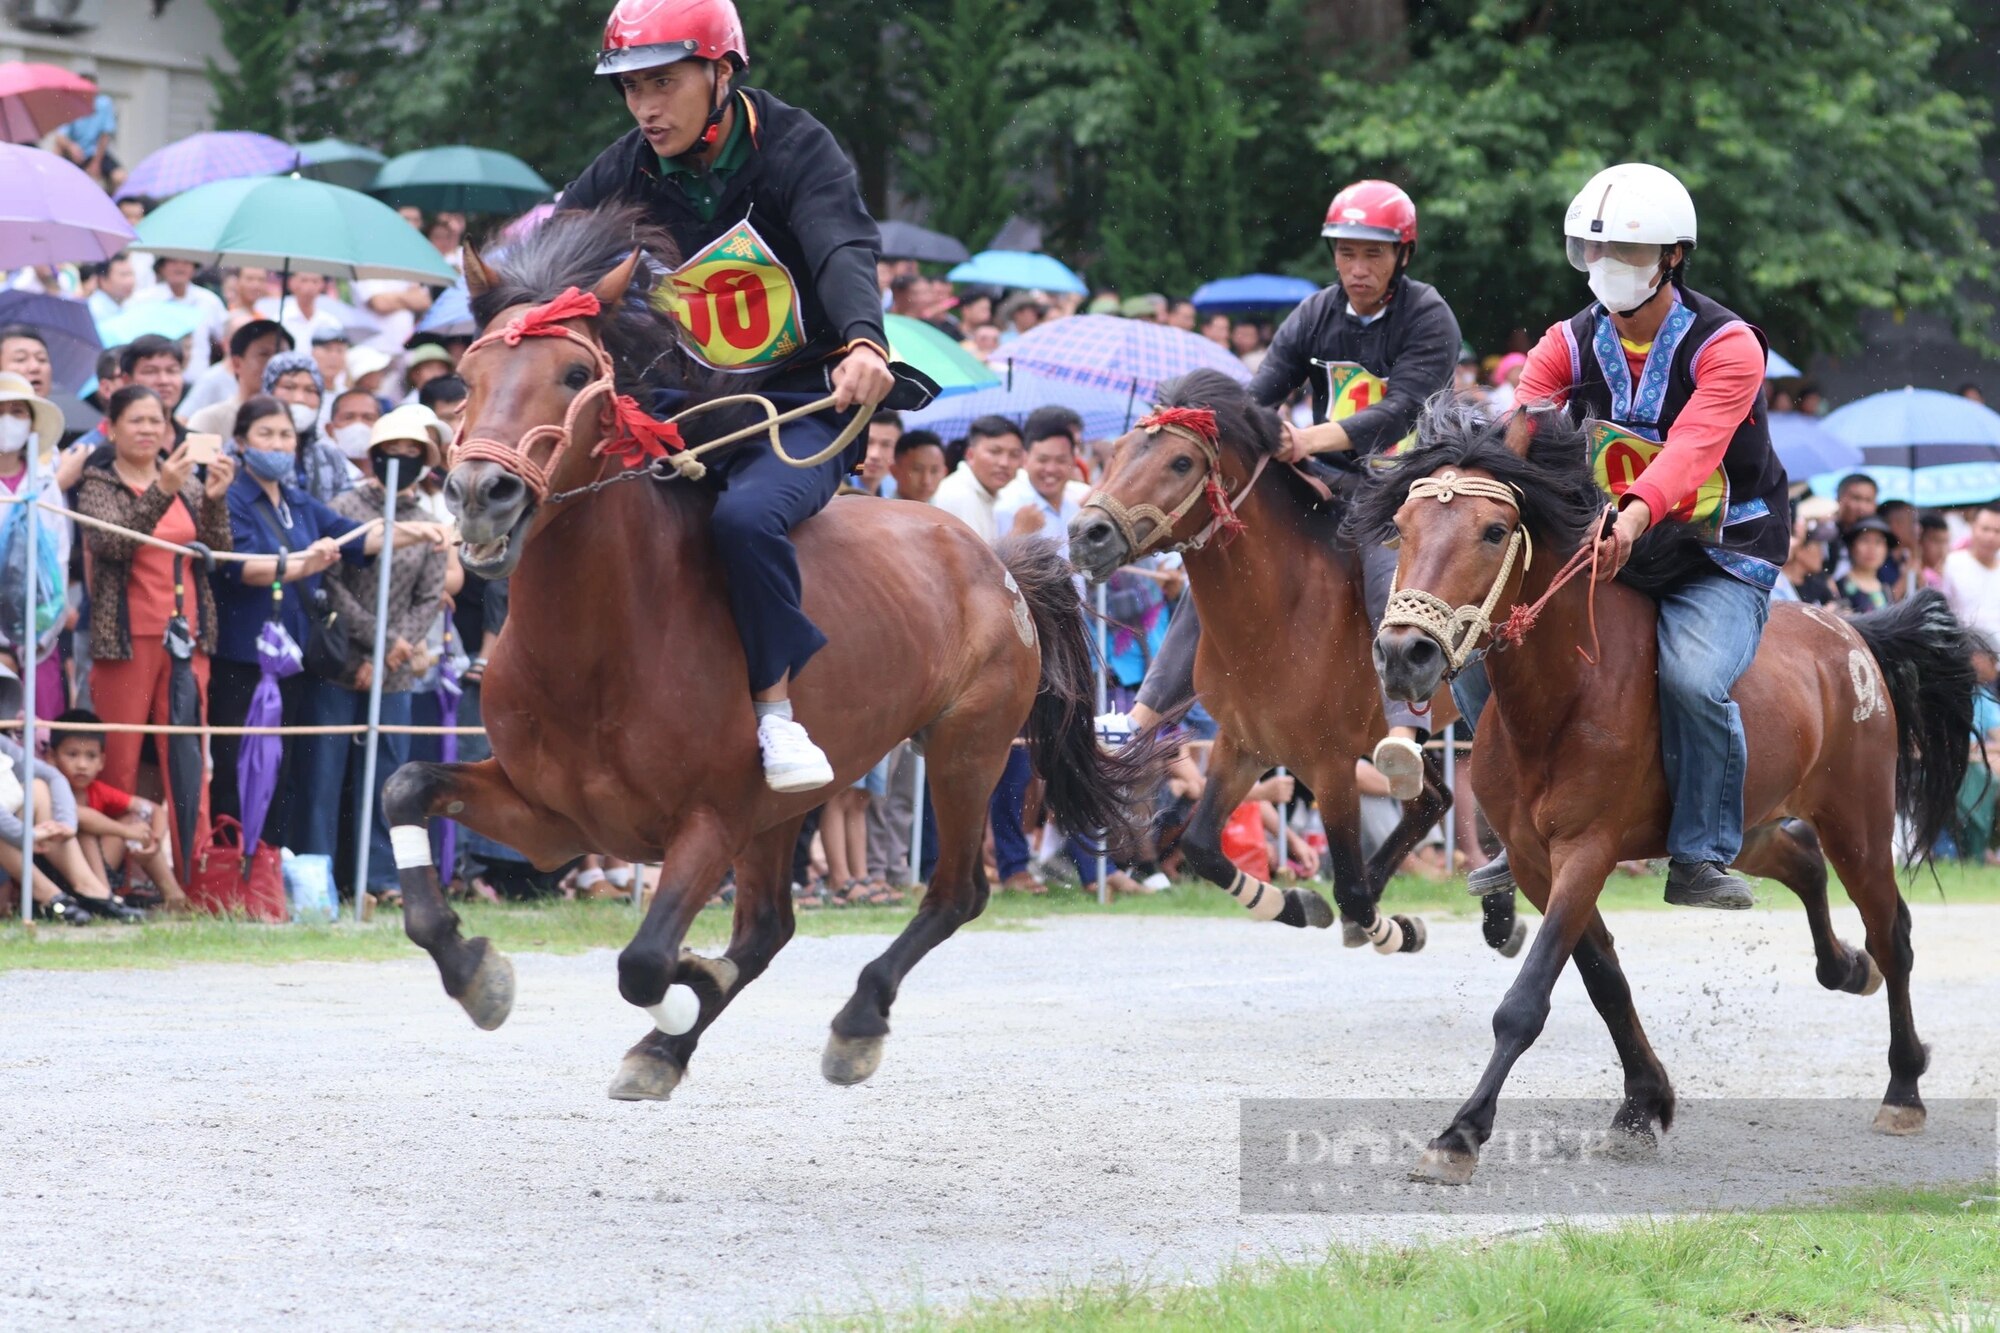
x: 337, y: 1146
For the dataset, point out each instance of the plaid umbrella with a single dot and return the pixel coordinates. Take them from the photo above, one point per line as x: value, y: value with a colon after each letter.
x: 1104, y: 413
x: 1128, y: 355
x: 65, y: 326
x: 219, y: 155
x: 35, y: 99
x: 257, y: 762
x: 51, y: 213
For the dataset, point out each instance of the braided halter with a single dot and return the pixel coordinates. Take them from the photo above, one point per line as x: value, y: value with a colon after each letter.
x: 1196, y: 424
x: 1458, y: 630
x: 625, y: 433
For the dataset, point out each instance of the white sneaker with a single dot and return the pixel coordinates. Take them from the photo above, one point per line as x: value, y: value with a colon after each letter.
x: 1401, y: 761
x: 1157, y: 882
x: 791, y: 761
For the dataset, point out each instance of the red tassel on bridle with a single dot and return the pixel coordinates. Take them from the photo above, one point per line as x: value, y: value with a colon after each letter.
x: 1198, y: 424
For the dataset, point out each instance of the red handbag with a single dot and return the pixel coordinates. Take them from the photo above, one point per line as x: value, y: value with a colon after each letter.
x: 222, y: 882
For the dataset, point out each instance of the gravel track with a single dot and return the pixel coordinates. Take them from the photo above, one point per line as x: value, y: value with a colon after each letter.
x: 336, y: 1146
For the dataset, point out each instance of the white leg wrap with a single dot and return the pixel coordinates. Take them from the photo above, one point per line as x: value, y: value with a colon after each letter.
x: 1263, y: 901
x: 412, y: 845
x: 1387, y: 937
x: 677, y: 1010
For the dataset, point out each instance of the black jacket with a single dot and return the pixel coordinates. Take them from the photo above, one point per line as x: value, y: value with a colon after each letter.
x: 1414, y: 346
x: 801, y: 194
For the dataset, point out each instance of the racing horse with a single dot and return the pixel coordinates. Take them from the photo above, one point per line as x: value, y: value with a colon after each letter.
x: 1850, y: 724
x: 616, y: 701
x: 1284, y: 663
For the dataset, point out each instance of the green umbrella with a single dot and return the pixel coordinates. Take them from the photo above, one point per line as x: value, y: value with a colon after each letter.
x: 460, y: 179
x: 338, y: 162
x: 956, y: 370
x: 286, y: 222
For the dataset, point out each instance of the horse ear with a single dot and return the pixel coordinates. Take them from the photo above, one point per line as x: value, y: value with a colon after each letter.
x: 479, y: 279
x: 1520, y: 432
x: 610, y: 288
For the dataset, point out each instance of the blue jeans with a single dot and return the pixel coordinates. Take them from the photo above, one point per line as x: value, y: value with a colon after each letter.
x: 325, y: 773
x: 1709, y: 632
x: 1010, y: 845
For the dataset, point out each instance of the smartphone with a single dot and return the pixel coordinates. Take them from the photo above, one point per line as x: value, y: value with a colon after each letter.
x: 204, y: 449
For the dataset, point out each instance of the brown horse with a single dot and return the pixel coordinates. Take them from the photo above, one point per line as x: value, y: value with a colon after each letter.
x: 617, y: 702
x: 1568, y: 765
x: 1283, y: 665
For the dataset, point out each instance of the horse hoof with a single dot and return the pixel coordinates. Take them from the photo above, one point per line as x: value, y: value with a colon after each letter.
x: 489, y: 993
x: 1351, y: 935
x: 1873, y: 982
x: 1899, y: 1120
x: 1414, y: 934
x: 1319, y: 912
x: 1444, y: 1166
x: 1515, y: 940
x: 850, y: 1060
x: 645, y: 1078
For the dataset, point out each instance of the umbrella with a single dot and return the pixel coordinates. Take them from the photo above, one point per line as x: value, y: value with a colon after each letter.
x: 143, y: 317
x: 916, y: 343
x: 1128, y: 355
x: 449, y: 691
x: 1918, y: 428
x: 1104, y: 413
x: 450, y: 315
x: 906, y: 240
x: 338, y: 162
x: 1950, y: 486
x: 257, y: 762
x: 52, y: 213
x: 66, y: 328
x: 184, y: 752
x: 1777, y: 368
x: 286, y: 222
x: 35, y: 99
x: 460, y: 179
x: 1018, y: 268
x: 1805, y: 447
x: 201, y: 159
x: 1252, y: 291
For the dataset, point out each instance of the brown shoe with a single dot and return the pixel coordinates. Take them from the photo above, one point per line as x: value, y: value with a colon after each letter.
x: 1023, y: 881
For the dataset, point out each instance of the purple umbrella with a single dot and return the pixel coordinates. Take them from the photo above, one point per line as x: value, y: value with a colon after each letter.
x: 449, y: 691
x: 51, y: 213
x: 1128, y: 355
x: 219, y: 155
x: 66, y: 328
x: 257, y: 762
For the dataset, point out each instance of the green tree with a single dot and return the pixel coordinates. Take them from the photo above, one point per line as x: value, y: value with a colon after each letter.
x: 259, y: 36
x: 955, y: 164
x: 1832, y: 172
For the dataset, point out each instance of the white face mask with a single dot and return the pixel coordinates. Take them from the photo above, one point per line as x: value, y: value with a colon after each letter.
x: 303, y: 418
x: 15, y: 432
x: 352, y: 439
x: 1622, y: 286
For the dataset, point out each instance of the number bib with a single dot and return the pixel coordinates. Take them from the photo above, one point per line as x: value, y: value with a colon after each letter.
x: 1350, y: 387
x: 1618, y: 457
x: 736, y: 303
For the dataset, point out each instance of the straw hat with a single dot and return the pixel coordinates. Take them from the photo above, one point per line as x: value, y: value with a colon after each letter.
x: 48, y: 417
x: 415, y: 422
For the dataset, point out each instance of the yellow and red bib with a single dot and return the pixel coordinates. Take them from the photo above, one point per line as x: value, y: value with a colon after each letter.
x: 736, y: 303
x: 1352, y: 387
x: 1618, y: 457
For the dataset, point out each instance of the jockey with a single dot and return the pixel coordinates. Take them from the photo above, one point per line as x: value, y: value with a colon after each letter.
x: 1684, y: 378
x: 778, y: 278
x: 1372, y: 347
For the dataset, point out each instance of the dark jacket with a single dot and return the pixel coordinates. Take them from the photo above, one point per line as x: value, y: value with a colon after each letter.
x: 801, y: 194
x: 259, y: 528
x: 101, y: 493
x: 1414, y: 346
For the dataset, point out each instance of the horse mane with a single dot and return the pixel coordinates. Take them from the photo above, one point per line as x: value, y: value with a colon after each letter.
x: 575, y: 249
x: 1561, y: 504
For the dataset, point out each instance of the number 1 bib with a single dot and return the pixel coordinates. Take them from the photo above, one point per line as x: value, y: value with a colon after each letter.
x: 736, y: 303
x: 1351, y: 387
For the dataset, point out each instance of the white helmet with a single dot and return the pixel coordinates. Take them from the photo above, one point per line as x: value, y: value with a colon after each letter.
x: 1632, y: 202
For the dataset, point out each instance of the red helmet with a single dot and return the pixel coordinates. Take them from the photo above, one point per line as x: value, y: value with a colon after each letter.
x: 642, y: 34
x: 1371, y: 211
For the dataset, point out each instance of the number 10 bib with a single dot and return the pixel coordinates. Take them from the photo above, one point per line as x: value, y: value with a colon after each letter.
x: 736, y: 303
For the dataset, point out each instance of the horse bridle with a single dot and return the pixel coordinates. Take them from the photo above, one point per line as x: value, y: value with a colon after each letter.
x: 1458, y: 630
x: 1196, y: 424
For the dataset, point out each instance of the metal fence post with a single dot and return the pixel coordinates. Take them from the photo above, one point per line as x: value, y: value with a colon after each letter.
x: 1103, y: 705
x: 917, y: 826
x: 383, y: 571
x: 30, y: 642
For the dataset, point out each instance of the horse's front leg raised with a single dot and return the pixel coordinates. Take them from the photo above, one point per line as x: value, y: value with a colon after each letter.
x: 475, y: 973
x: 1576, y: 875
x: 1232, y: 771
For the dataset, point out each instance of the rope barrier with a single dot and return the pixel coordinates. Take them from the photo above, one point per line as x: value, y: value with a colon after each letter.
x: 363, y: 530
x: 330, y: 729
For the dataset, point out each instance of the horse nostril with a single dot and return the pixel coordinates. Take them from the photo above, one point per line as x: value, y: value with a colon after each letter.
x: 502, y: 488
x: 1421, y: 653
x: 1097, y: 532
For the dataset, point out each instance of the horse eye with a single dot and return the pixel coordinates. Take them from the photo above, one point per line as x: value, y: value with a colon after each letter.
x: 1496, y: 533
x: 577, y: 378
x: 1183, y: 465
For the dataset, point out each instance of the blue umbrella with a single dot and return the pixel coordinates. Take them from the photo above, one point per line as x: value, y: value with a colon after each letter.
x: 1805, y: 447
x: 1777, y: 368
x: 1103, y: 412
x: 1952, y: 486
x: 450, y: 314
x: 1918, y: 428
x: 143, y: 317
x: 1018, y: 268
x: 66, y: 327
x: 1252, y: 291
x: 1120, y: 355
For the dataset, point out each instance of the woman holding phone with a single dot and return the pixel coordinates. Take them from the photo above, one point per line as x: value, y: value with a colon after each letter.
x: 132, y: 585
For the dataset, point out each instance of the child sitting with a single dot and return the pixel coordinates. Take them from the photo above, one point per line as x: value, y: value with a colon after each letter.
x: 112, y: 823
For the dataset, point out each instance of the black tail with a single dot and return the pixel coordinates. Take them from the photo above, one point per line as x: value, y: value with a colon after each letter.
x: 1090, y: 789
x: 1926, y: 658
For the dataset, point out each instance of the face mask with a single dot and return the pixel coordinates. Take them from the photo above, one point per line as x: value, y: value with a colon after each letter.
x: 352, y: 439
x: 269, y: 464
x: 304, y: 419
x: 1622, y: 286
x: 15, y: 432
x: 409, y: 471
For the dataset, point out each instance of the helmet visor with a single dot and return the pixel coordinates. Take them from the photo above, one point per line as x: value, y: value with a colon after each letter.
x: 1639, y: 254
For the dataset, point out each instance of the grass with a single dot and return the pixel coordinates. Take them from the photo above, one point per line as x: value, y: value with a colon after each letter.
x: 567, y: 928
x: 1918, y: 1259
